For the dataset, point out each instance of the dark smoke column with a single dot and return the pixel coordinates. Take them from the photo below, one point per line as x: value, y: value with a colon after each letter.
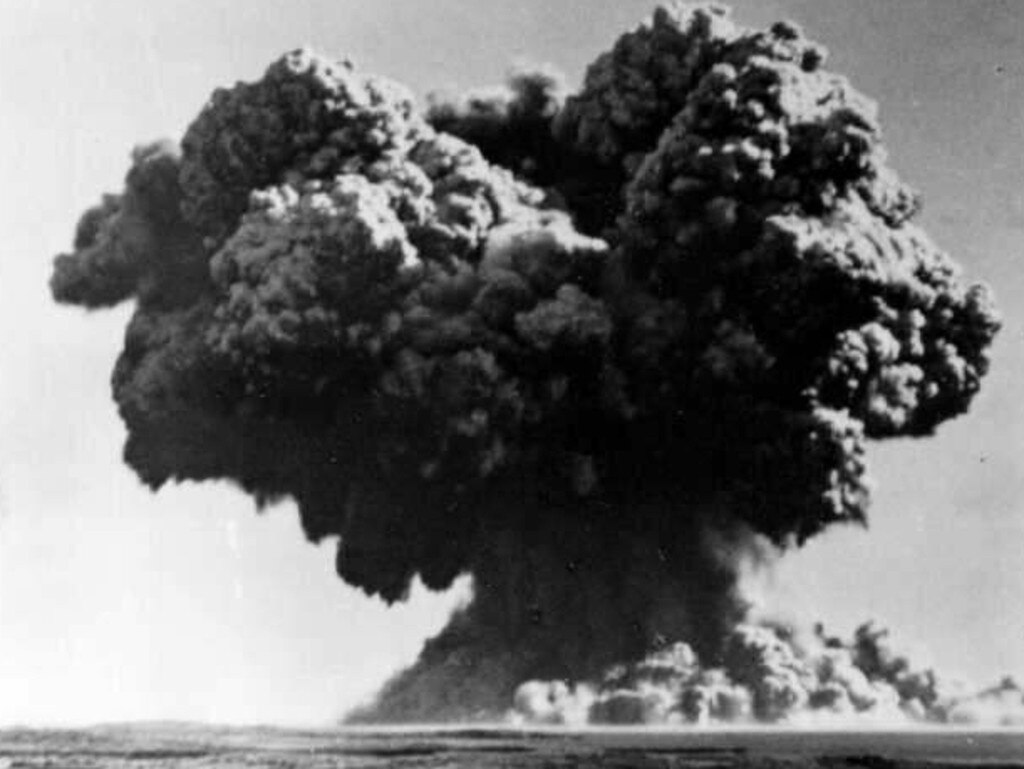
x: 594, y: 362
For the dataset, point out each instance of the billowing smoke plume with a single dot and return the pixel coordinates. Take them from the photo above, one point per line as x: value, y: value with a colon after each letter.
x: 768, y: 674
x: 595, y: 351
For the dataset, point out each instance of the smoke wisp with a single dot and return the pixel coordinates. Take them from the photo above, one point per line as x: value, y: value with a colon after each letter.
x: 596, y: 350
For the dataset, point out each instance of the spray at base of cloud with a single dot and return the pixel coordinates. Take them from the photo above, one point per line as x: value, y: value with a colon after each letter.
x: 594, y: 350
x: 771, y: 674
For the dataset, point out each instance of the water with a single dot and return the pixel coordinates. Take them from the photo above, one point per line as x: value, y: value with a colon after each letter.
x: 177, y: 746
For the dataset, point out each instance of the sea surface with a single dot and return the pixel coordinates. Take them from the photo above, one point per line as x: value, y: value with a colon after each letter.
x: 178, y: 745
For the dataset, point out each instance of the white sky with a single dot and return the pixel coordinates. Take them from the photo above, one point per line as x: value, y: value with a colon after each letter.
x: 119, y: 604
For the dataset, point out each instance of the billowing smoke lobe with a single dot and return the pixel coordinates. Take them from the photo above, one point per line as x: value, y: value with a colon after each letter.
x: 596, y: 351
x: 769, y: 674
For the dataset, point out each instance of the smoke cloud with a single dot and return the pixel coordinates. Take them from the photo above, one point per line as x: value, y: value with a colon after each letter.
x: 769, y: 674
x: 596, y: 350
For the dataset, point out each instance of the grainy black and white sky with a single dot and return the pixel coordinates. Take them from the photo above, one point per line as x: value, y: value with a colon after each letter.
x: 117, y: 604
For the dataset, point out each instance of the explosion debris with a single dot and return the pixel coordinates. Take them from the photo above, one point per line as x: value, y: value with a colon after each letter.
x: 595, y: 351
